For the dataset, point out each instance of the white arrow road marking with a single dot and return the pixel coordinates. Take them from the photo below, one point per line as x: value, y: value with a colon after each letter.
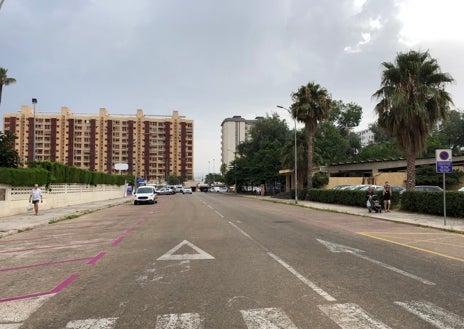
x: 104, y: 323
x: 435, y: 315
x: 19, y: 310
x: 307, y: 282
x: 199, y: 255
x: 334, y: 247
x: 267, y: 318
x: 179, y: 321
x: 351, y: 316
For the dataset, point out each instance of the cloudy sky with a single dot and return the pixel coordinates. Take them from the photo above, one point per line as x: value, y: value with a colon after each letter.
x: 213, y: 59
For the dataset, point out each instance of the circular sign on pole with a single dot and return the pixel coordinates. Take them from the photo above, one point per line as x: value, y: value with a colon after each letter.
x: 444, y: 155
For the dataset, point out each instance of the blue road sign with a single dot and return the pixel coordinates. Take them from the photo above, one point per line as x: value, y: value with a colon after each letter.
x: 444, y: 161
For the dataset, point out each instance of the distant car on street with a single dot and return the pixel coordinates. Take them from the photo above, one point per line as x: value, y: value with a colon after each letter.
x: 165, y: 191
x: 187, y: 190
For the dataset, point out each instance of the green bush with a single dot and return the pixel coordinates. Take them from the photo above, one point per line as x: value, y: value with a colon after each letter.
x: 23, y: 176
x: 432, y: 203
x: 345, y: 197
x: 45, y: 173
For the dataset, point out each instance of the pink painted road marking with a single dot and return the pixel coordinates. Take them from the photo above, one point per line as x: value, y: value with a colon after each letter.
x: 55, y: 290
x: 48, y: 264
x: 129, y: 230
x: 53, y: 247
x: 95, y: 259
x: 117, y: 241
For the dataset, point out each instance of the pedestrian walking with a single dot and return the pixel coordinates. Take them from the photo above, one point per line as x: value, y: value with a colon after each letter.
x: 35, y: 198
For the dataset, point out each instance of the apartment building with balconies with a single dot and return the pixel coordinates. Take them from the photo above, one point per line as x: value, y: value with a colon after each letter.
x: 153, y: 146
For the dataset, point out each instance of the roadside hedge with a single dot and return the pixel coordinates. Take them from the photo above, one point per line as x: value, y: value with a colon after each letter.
x: 432, y: 203
x: 422, y: 202
x: 345, y: 197
x: 46, y: 173
x: 23, y: 176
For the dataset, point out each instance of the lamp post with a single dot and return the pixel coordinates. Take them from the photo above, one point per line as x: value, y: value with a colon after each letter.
x: 296, y: 157
x: 34, y: 101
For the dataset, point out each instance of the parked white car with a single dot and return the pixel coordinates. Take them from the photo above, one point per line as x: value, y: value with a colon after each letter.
x: 187, y: 190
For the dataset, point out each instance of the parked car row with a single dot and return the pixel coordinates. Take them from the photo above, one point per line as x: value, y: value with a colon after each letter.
x: 378, y: 188
x: 149, y: 193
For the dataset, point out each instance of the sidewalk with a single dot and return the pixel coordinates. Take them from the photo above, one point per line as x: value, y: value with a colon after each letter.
x: 417, y: 219
x: 13, y: 224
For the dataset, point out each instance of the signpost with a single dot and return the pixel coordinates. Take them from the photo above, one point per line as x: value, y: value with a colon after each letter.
x: 444, y: 164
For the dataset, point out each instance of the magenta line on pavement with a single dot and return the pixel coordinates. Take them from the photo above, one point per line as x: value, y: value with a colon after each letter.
x: 46, y: 264
x: 53, y: 247
x: 129, y: 230
x: 55, y: 290
x: 117, y: 241
x: 95, y: 259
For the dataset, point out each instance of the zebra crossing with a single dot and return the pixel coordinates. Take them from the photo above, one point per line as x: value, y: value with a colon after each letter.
x: 346, y: 316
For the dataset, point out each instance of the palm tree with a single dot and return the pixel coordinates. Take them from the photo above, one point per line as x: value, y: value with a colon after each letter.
x: 412, y: 101
x: 4, y: 80
x: 311, y: 105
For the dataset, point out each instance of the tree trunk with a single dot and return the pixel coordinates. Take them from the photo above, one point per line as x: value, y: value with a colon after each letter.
x: 411, y: 171
x: 309, y: 178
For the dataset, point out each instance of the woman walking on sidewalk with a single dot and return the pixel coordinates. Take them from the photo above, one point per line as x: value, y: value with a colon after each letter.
x: 35, y: 197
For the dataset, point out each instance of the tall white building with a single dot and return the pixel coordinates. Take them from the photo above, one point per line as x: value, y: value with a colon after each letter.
x: 234, y: 131
x: 366, y: 136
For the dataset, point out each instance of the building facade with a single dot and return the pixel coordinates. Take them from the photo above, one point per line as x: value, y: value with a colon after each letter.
x: 234, y: 131
x: 153, y: 147
x: 366, y: 136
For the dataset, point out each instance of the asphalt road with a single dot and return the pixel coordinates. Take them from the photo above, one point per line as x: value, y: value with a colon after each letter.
x: 211, y: 260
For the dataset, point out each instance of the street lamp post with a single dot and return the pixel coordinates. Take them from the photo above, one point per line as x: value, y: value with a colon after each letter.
x: 34, y: 101
x: 296, y: 156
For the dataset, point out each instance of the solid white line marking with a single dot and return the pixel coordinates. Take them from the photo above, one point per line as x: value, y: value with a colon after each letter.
x: 242, y: 231
x: 105, y: 323
x: 435, y: 315
x: 351, y: 316
x: 307, y: 282
x: 209, y: 206
x: 397, y: 270
x: 335, y: 247
x: 267, y: 318
x: 201, y: 254
x: 179, y: 321
x: 220, y: 215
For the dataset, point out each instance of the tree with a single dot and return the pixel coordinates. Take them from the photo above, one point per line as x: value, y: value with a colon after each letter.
x: 259, y: 159
x: 412, y: 101
x: 4, y: 80
x: 8, y: 155
x: 311, y: 105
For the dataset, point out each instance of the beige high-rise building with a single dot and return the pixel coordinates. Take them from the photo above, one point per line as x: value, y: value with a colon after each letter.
x: 234, y: 131
x: 153, y: 147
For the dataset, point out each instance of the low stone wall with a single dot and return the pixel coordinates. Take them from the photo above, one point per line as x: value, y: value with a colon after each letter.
x: 14, y: 200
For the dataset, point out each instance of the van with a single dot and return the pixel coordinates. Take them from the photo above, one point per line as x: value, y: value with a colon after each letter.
x: 145, y: 194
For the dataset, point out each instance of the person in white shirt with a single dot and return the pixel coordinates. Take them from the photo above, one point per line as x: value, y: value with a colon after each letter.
x: 36, y: 197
